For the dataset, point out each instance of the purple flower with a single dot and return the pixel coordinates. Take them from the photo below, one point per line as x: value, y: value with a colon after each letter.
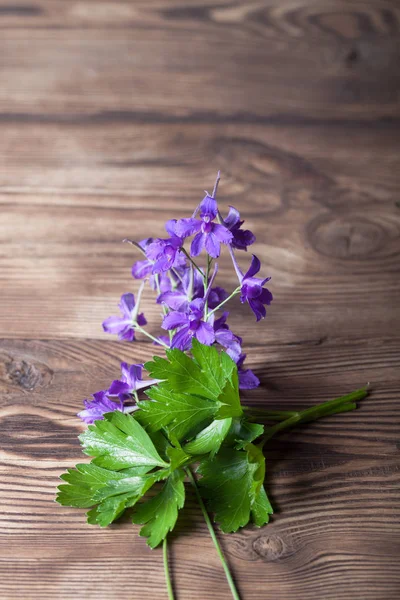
x: 227, y: 339
x: 207, y: 234
x: 142, y: 268
x: 253, y: 292
x: 165, y: 254
x: 247, y: 379
x: 96, y: 408
x: 241, y: 237
x: 189, y: 288
x: 123, y: 326
x: 189, y: 324
x: 130, y: 381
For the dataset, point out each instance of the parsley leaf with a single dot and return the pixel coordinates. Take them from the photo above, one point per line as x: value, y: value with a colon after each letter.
x: 159, y: 514
x: 208, y: 374
x: 231, y: 483
x: 118, y: 442
x: 181, y: 413
x: 113, y: 491
x: 242, y: 432
x: 210, y: 439
x: 261, y: 509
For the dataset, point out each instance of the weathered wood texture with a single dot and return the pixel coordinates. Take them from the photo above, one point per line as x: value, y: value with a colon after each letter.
x: 113, y: 118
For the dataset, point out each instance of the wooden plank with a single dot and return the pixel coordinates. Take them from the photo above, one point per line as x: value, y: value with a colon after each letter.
x: 173, y: 61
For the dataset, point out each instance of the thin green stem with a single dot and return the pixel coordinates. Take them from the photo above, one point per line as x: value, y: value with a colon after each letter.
x: 207, y: 519
x: 273, y: 415
x: 166, y: 570
x: 151, y: 337
x: 234, y: 293
x: 209, y: 261
x: 196, y: 266
x: 332, y: 407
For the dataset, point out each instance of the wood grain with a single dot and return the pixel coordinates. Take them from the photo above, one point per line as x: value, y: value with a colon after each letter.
x: 114, y: 116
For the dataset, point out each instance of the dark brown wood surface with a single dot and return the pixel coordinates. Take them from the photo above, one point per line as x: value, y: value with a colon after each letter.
x: 114, y: 116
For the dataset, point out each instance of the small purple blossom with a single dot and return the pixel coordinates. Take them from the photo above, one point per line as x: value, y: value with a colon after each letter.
x: 189, y: 324
x: 207, y: 234
x: 227, y: 339
x: 165, y: 254
x: 252, y: 290
x: 123, y: 326
x: 247, y: 379
x: 95, y: 409
x: 142, y: 268
x: 190, y: 287
x: 131, y: 381
x: 241, y: 237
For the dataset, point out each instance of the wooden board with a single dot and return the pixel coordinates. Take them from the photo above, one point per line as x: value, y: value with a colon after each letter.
x: 114, y: 116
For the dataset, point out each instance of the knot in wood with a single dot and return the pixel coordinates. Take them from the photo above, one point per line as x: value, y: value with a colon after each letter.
x: 346, y: 237
x: 27, y: 375
x: 269, y: 547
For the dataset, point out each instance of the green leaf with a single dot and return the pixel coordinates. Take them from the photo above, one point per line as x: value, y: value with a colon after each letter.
x: 208, y: 374
x: 231, y: 483
x: 181, y: 413
x: 243, y: 432
x: 261, y: 509
x: 177, y: 457
x: 82, y: 484
x: 210, y: 439
x: 159, y: 514
x: 89, y: 484
x: 118, y: 442
x: 230, y: 399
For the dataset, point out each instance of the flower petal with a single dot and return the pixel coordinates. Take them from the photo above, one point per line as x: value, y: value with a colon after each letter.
x: 186, y: 227
x: 258, y: 308
x: 141, y: 269
x: 254, y: 267
x: 135, y: 375
x: 141, y: 320
x: 233, y: 217
x: 222, y: 233
x: 212, y: 244
x: 173, y: 320
x: 247, y: 380
x: 205, y: 334
x: 174, y: 300
x: 182, y: 339
x: 170, y: 227
x: 118, y: 387
x: 115, y: 325
x: 208, y: 208
x: 266, y: 296
x: 197, y: 244
x: 127, y: 304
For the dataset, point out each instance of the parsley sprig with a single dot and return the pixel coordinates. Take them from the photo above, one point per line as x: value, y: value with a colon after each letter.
x: 192, y: 420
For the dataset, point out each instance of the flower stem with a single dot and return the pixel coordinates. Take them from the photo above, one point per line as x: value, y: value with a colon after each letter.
x: 332, y: 407
x: 196, y: 266
x: 151, y: 337
x: 234, y: 293
x: 207, y: 519
x: 273, y: 415
x: 166, y: 570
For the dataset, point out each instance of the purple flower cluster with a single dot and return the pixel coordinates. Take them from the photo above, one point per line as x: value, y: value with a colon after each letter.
x: 118, y: 394
x: 190, y: 301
